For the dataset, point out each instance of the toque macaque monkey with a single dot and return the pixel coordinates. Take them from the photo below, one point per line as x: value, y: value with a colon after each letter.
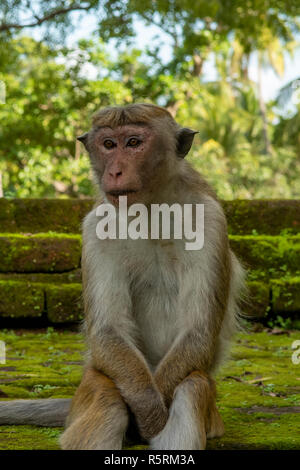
x: 158, y: 318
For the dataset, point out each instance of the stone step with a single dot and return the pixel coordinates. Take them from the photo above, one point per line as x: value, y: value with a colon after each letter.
x: 39, y: 253
x: 62, y: 303
x: 43, y: 215
x: 266, y: 257
x: 245, y: 217
x: 59, y: 303
x: 286, y: 295
x: 68, y: 277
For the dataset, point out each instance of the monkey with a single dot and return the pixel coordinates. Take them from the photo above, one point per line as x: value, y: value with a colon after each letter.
x: 159, y: 319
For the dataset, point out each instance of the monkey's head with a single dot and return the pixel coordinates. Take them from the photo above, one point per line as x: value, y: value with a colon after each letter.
x: 134, y: 150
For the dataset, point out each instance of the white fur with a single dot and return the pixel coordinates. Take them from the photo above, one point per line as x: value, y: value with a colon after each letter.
x: 184, y: 430
x: 152, y: 291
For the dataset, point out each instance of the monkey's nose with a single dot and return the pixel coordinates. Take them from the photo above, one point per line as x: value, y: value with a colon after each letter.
x: 115, y: 174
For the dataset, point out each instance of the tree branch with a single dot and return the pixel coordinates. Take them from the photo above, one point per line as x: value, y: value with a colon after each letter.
x: 49, y: 16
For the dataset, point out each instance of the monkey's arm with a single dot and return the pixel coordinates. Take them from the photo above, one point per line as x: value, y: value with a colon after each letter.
x: 194, y: 351
x: 204, y: 294
x: 126, y: 366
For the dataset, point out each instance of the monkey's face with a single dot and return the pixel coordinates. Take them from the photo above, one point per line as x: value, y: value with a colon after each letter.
x: 135, y: 151
x: 127, y: 161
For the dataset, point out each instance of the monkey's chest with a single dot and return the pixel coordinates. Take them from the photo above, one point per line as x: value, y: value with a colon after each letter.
x: 154, y: 299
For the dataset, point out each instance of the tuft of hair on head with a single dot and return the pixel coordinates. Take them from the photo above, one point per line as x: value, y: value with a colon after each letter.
x: 138, y: 113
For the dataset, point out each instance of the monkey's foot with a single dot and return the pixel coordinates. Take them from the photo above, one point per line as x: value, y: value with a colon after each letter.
x: 216, y: 426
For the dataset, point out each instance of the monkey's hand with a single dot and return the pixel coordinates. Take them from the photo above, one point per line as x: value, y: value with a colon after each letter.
x: 150, y: 412
x: 127, y: 368
x: 165, y: 386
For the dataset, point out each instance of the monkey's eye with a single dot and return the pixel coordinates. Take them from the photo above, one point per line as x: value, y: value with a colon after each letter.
x: 133, y: 142
x: 109, y: 144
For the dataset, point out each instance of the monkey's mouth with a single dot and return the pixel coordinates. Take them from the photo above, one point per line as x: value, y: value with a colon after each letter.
x: 121, y: 192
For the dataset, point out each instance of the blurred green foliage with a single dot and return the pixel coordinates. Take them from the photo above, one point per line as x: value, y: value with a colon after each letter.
x: 245, y: 147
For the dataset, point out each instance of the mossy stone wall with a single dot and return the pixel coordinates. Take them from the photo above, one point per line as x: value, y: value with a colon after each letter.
x: 40, y: 247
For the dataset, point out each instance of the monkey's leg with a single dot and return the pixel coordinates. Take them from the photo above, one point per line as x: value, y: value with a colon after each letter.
x: 193, y: 413
x: 214, y: 426
x: 98, y: 417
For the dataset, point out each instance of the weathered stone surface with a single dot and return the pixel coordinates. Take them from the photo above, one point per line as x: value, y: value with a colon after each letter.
x: 286, y: 295
x: 7, y: 217
x: 21, y: 299
x: 39, y: 253
x: 43, y: 215
x: 64, y: 303
x: 265, y: 237
x: 65, y: 215
x: 271, y: 256
x: 263, y: 216
x: 69, y: 277
x: 257, y: 303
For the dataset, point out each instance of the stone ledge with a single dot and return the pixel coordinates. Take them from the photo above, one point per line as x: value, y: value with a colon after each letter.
x: 286, y: 295
x: 65, y: 215
x: 271, y: 257
x: 62, y: 303
x: 39, y: 253
x: 59, y: 303
x: 43, y: 215
x: 265, y: 256
x: 257, y: 304
x: 21, y: 299
x: 69, y: 277
x: 263, y: 216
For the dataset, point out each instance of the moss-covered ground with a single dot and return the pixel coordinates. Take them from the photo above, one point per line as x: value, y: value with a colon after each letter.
x: 258, y: 387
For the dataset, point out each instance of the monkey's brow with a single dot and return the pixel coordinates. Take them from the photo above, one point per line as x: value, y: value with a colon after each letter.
x: 139, y: 123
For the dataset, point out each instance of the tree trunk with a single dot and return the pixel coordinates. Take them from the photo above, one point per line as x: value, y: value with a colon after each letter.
x: 197, y: 64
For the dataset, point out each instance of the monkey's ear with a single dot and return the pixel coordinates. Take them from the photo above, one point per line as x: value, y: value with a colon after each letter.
x: 185, y: 139
x: 83, y: 138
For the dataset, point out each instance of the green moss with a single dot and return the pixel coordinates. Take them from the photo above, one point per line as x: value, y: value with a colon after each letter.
x: 61, y: 303
x: 45, y: 365
x: 7, y: 215
x: 64, y: 303
x: 29, y: 438
x: 39, y: 253
x: 73, y: 276
x: 270, y: 217
x: 258, y: 301
x: 66, y: 215
x: 258, y: 431
x: 259, y: 372
x: 54, y: 258
x: 269, y: 257
x: 286, y: 295
x: 42, y: 215
x: 36, y: 236
x: 21, y: 299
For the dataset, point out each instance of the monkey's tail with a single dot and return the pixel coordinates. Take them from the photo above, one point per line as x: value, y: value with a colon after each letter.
x: 42, y: 412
